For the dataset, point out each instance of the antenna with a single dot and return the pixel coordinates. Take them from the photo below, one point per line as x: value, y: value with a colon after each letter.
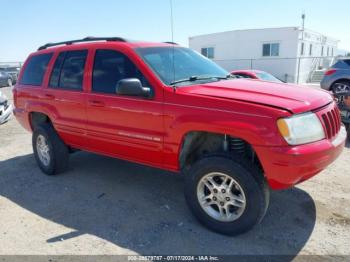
x: 172, y: 37
x: 171, y: 21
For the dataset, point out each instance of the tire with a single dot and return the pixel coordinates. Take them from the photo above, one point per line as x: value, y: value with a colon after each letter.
x: 249, y: 179
x: 9, y: 82
x: 347, y: 127
x: 341, y: 87
x: 56, y: 158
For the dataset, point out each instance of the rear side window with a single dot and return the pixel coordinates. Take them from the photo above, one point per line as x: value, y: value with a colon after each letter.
x: 55, y: 75
x: 111, y: 66
x: 68, y: 71
x: 35, y: 70
x: 243, y: 75
x: 347, y: 61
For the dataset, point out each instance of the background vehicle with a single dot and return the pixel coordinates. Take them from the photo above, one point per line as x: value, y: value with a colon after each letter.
x: 5, y: 108
x: 5, y: 79
x: 337, y: 78
x: 13, y: 71
x: 343, y: 101
x: 255, y: 74
x: 169, y: 107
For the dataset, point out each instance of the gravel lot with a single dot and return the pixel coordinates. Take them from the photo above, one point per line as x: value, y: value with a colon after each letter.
x: 107, y: 206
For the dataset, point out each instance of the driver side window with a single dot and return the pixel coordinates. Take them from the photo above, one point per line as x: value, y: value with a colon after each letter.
x: 111, y: 66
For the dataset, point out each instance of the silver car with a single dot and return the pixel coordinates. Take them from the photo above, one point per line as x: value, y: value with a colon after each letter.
x: 5, y: 79
x: 13, y: 71
x: 5, y: 109
x: 337, y: 78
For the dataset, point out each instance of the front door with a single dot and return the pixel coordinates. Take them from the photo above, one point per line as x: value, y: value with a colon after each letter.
x: 127, y: 127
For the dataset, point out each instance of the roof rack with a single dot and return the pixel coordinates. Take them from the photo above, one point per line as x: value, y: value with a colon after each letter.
x: 86, y: 39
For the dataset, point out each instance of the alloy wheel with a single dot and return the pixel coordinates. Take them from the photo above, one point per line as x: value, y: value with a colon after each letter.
x: 221, y: 197
x: 43, y: 150
x: 341, y: 88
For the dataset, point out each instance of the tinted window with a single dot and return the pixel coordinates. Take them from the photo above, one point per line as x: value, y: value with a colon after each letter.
x: 110, y: 67
x: 272, y: 49
x: 347, y: 62
x: 267, y: 77
x: 68, y: 71
x: 302, y: 49
x: 243, y: 75
x: 208, y: 52
x: 72, y: 72
x: 55, y: 75
x: 35, y: 70
x: 310, y: 50
x: 275, y: 49
x: 266, y: 49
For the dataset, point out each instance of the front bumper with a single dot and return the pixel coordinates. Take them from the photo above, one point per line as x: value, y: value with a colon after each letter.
x: 5, y: 113
x: 289, y: 165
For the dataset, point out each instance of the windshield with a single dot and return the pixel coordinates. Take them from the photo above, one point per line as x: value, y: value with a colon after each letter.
x: 174, y: 64
x: 267, y: 77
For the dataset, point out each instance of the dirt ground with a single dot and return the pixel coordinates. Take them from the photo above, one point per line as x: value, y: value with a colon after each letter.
x: 107, y: 206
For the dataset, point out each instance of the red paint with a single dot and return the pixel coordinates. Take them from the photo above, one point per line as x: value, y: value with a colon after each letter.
x: 249, y: 73
x: 151, y: 131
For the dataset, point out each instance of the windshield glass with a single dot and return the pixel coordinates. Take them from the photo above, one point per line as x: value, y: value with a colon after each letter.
x: 172, y: 64
x: 267, y: 77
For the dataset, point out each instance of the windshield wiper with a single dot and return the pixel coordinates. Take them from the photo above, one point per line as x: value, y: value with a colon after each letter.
x: 198, y: 78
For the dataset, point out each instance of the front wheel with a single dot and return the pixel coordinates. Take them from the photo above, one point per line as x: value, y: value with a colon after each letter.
x: 227, y: 196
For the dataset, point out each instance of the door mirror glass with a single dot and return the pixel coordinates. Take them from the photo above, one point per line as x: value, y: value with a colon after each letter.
x: 132, y: 87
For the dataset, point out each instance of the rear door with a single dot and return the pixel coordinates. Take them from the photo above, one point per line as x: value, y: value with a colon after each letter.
x: 67, y: 95
x: 123, y: 126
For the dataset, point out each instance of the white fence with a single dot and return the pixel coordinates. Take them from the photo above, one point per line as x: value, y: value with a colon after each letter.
x: 292, y: 69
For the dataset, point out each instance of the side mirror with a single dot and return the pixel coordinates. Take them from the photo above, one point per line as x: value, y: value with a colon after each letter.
x: 132, y: 87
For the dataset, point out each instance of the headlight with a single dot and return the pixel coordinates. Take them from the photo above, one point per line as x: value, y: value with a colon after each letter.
x: 301, y: 129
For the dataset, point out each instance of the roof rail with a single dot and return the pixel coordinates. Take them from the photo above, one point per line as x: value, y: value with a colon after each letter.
x: 86, y: 39
x: 171, y: 43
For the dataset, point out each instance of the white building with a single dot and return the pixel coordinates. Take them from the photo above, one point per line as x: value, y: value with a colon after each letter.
x: 290, y: 53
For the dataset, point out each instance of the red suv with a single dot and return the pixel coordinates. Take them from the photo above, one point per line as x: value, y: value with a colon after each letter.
x: 167, y: 106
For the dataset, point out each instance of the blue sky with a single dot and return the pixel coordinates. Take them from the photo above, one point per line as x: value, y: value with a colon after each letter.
x: 28, y: 24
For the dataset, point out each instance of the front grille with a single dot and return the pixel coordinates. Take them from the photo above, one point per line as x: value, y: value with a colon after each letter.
x: 332, y: 122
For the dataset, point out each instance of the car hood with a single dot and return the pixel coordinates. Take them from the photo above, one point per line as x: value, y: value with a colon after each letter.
x: 293, y: 98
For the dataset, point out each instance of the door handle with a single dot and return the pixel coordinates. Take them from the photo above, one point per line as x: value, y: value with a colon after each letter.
x: 49, y: 96
x: 96, y: 103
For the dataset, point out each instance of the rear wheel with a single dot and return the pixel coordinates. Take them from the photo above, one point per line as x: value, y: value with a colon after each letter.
x: 226, y: 196
x: 50, y: 152
x: 341, y: 87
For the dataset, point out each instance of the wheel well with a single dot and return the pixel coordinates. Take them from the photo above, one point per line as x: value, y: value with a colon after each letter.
x: 37, y: 118
x: 199, y: 144
x: 340, y: 80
